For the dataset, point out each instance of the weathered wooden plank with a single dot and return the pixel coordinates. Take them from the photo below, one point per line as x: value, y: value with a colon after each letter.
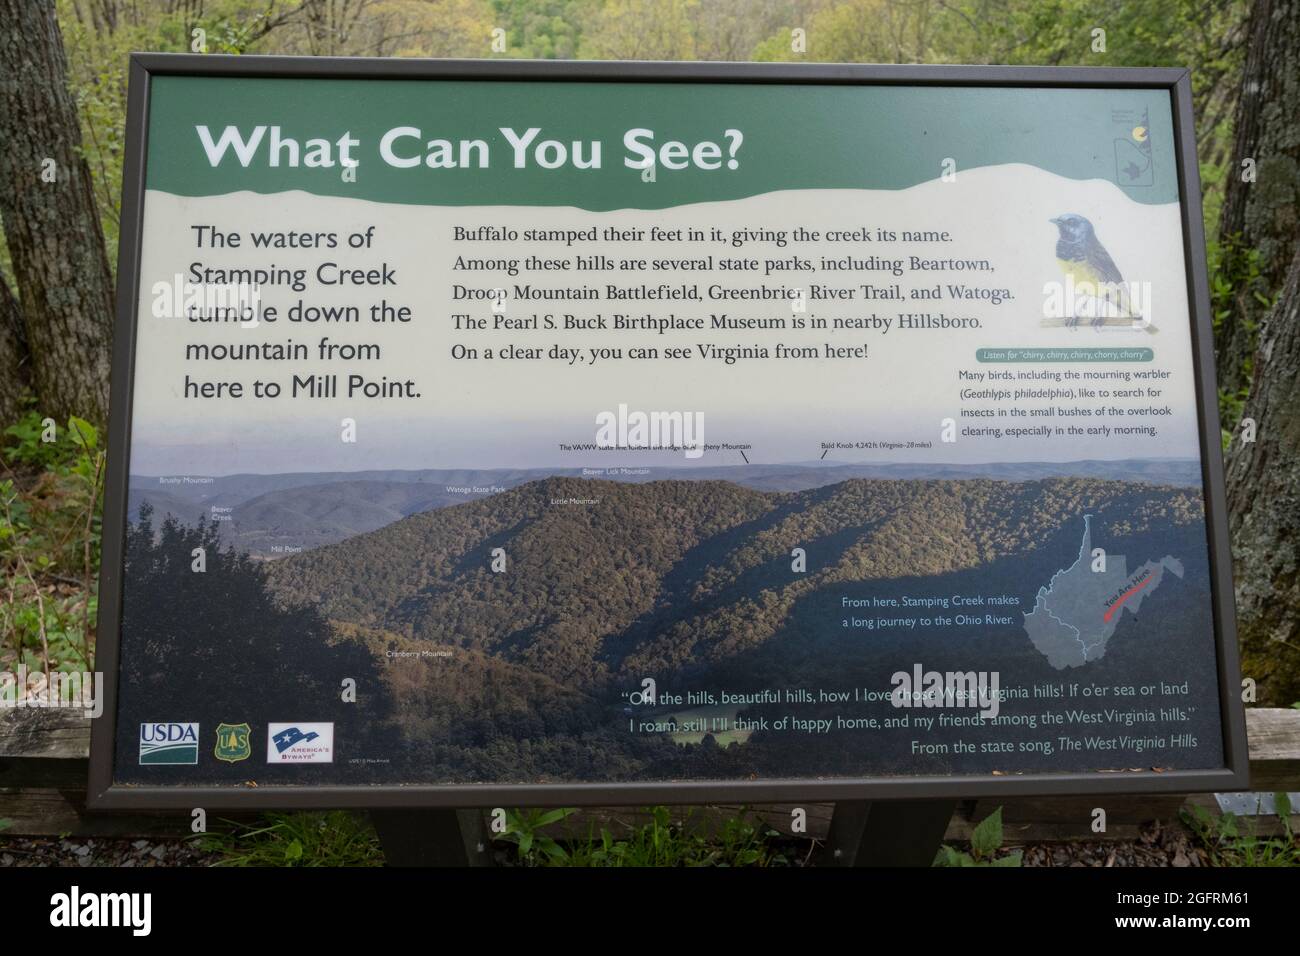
x: 38, y: 812
x: 1274, y: 734
x: 49, y: 812
x: 1265, y: 826
x: 45, y: 811
x: 56, y: 733
x: 44, y: 748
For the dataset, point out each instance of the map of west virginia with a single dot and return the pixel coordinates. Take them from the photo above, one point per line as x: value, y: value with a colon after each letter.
x: 1076, y: 613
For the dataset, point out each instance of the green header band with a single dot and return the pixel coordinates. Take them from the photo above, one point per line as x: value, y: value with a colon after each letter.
x: 795, y: 136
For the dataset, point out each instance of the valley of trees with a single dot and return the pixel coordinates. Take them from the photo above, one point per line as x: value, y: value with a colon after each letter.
x: 663, y: 575
x: 691, y: 582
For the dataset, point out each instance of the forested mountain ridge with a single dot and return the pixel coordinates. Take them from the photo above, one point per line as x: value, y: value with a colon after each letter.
x: 606, y: 580
x: 271, y: 515
x: 573, y: 571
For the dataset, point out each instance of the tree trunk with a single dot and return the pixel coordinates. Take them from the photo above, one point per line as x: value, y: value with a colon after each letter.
x: 1264, y: 506
x: 14, y: 359
x: 52, y: 228
x: 1261, y: 215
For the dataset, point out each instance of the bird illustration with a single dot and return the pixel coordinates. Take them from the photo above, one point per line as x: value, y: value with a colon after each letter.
x: 1084, y: 259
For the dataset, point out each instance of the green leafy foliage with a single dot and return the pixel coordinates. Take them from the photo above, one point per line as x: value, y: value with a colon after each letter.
x: 41, y: 442
x: 659, y: 842
x: 1231, y: 841
x: 342, y: 838
x: 1237, y: 287
x: 49, y: 542
x: 985, y: 845
x: 543, y: 29
x: 336, y: 838
x: 532, y: 846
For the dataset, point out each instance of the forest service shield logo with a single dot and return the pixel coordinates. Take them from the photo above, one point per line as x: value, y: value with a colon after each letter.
x: 234, y: 742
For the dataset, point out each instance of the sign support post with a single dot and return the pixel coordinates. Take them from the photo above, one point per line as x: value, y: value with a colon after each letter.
x: 886, y: 833
x: 429, y: 838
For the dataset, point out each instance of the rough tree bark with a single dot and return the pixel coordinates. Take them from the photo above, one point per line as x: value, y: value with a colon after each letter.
x: 1264, y: 214
x: 14, y: 359
x: 52, y: 228
x: 1264, y: 506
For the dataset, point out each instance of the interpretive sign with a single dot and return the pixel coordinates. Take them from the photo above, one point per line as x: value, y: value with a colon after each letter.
x: 600, y: 433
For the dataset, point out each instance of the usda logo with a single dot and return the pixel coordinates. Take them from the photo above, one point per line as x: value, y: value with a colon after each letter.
x: 169, y: 744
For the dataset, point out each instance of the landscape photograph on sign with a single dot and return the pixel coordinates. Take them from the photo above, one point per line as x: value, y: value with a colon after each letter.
x: 522, y: 433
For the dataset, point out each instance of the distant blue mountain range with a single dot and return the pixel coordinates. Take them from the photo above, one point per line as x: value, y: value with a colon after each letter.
x: 277, y: 514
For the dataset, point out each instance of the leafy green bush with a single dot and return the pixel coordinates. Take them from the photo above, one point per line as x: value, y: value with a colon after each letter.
x: 39, y: 441
x: 661, y: 842
x: 49, y: 542
x: 532, y: 847
x: 1231, y: 841
x: 336, y: 838
x: 985, y: 842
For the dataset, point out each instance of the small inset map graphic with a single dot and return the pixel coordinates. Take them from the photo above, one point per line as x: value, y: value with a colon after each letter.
x: 1076, y: 613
